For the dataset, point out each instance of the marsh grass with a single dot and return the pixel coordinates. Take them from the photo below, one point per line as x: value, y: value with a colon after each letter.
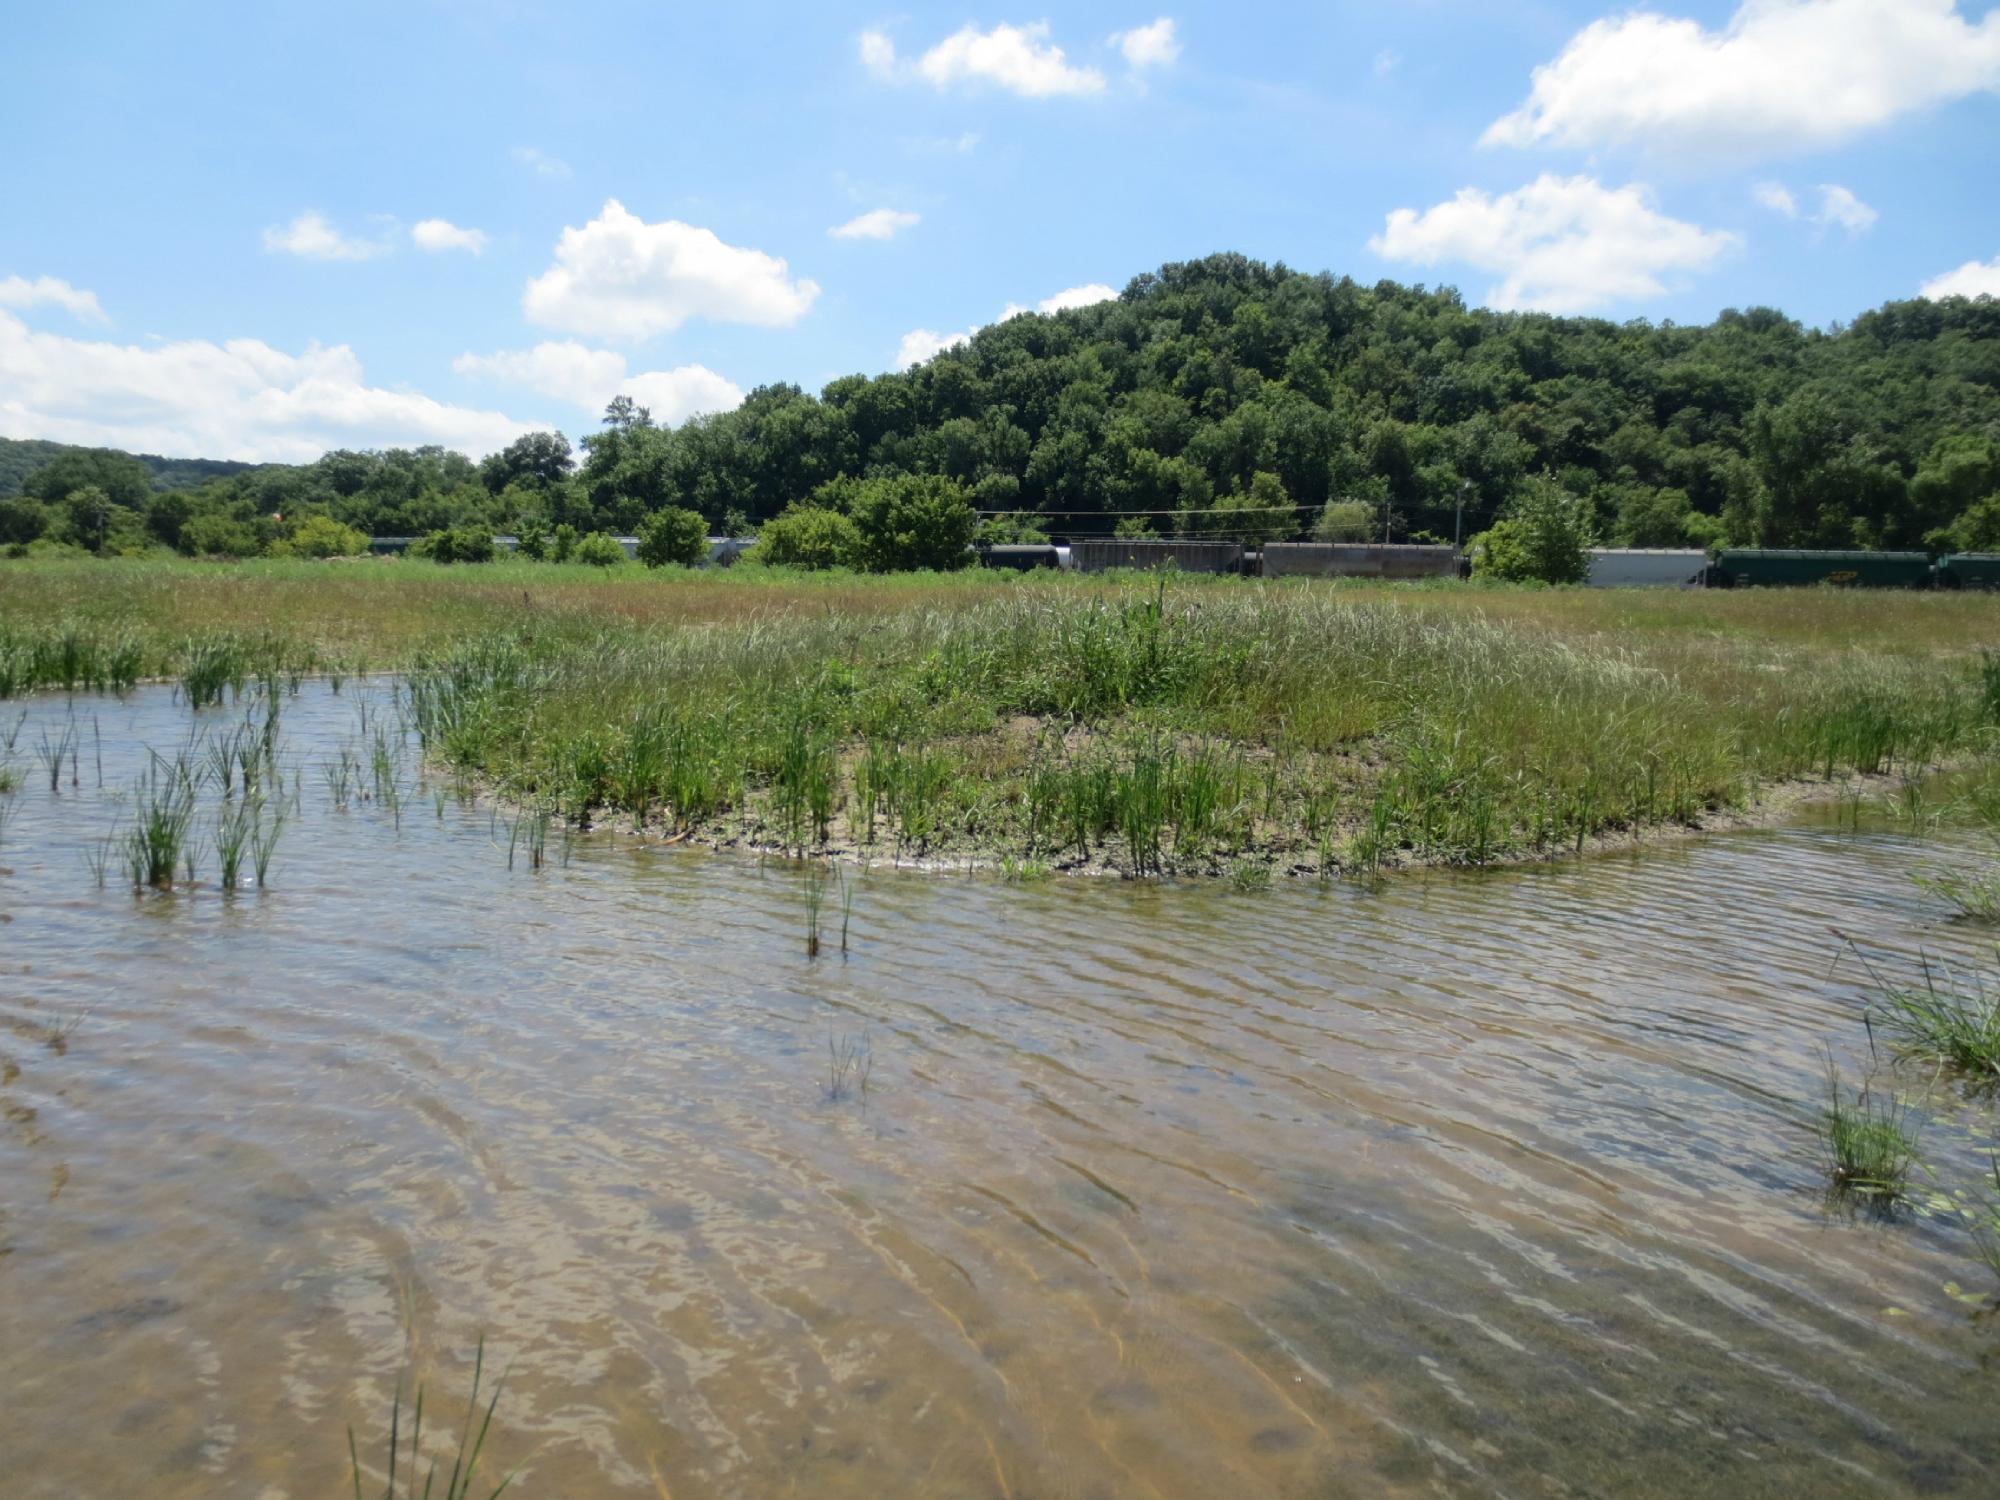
x: 164, y: 803
x: 458, y: 1481
x: 813, y: 889
x: 1869, y: 1140
x: 54, y: 752
x: 1973, y: 895
x: 849, y: 1061
x: 1944, y: 1015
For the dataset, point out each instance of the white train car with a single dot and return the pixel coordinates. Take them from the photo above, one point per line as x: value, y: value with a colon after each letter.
x: 1645, y: 567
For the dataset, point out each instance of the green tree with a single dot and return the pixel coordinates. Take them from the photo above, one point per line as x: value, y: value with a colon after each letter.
x: 1255, y: 514
x: 22, y: 520
x: 1344, y: 521
x: 807, y: 536
x: 1545, y: 537
x: 321, y: 536
x: 917, y: 521
x: 600, y: 550
x: 562, y: 543
x: 217, y: 534
x: 674, y: 536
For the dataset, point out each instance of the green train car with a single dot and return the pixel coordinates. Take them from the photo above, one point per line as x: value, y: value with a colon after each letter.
x: 1969, y: 570
x: 1766, y: 567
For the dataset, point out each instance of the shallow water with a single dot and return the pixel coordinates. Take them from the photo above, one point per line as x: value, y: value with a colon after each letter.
x: 1472, y: 1184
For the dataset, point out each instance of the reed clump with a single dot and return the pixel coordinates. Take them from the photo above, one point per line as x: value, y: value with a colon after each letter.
x: 1869, y: 1139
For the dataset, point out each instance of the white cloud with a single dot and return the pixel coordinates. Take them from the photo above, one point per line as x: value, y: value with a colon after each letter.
x: 1386, y: 62
x: 441, y: 234
x: 589, y: 378
x: 920, y: 344
x: 1560, y: 244
x: 1151, y: 46
x: 1776, y: 197
x: 1976, y: 278
x: 311, y: 237
x: 241, y: 399
x: 1782, y: 75
x: 876, y: 224
x: 1019, y: 59
x: 18, y: 291
x: 540, y: 162
x: 1838, y: 206
x: 619, y: 277
x: 1078, y: 296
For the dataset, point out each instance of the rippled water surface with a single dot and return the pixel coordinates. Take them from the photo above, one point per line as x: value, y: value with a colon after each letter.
x: 1483, y: 1184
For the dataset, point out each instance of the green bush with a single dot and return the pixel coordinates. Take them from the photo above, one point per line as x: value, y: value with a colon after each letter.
x: 673, y: 535
x: 600, y: 550
x: 562, y: 543
x: 1544, y: 538
x: 321, y: 536
x: 22, y: 519
x: 532, y: 541
x: 218, y: 535
x: 916, y: 521
x: 807, y: 536
x: 461, y: 544
x: 1345, y: 521
x: 1261, y: 513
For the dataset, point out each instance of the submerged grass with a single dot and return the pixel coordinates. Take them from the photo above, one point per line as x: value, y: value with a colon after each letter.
x: 406, y: 1455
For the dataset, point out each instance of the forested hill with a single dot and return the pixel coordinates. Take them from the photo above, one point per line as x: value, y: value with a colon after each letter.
x: 1230, y: 396
x: 20, y: 457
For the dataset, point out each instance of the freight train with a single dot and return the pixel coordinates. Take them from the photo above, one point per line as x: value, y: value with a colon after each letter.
x: 1610, y: 567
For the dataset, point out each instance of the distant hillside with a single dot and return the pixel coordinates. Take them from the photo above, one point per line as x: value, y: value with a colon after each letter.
x: 20, y: 457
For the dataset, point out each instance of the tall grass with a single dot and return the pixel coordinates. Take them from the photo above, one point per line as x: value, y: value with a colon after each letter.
x: 1944, y: 1014
x: 163, y: 810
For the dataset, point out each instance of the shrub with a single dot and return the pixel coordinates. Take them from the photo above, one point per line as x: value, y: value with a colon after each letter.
x: 808, y: 536
x: 219, y: 535
x: 600, y: 550
x: 462, y: 544
x: 1544, y: 538
x: 673, y: 535
x: 916, y: 521
x: 998, y: 531
x: 532, y: 542
x: 321, y: 536
x: 562, y: 543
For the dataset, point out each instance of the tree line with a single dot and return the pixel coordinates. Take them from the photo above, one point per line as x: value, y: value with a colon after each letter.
x: 1220, y: 397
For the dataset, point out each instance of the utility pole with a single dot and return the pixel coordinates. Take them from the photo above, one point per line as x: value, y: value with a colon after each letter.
x: 1458, y: 523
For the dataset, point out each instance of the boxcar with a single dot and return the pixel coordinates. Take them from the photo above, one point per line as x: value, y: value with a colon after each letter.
x: 1020, y: 556
x: 1645, y: 567
x: 1358, y: 560
x: 1750, y: 567
x: 1969, y: 570
x: 1100, y: 553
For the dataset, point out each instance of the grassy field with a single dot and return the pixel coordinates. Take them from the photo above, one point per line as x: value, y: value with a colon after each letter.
x: 1218, y: 725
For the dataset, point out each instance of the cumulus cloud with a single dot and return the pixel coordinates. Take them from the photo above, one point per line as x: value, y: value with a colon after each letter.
x: 311, y: 237
x: 52, y: 291
x: 920, y: 344
x: 620, y: 277
x: 876, y: 224
x: 1020, y: 59
x: 241, y: 399
x: 1781, y: 75
x: 1560, y: 244
x: 1976, y: 278
x: 589, y: 378
x: 1152, y: 46
x: 1838, y: 206
x: 437, y: 235
x: 540, y: 162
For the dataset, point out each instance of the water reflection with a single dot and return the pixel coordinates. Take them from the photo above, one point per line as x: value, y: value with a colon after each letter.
x: 1488, y: 1184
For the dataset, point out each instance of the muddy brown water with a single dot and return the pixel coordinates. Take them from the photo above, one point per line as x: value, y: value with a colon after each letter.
x: 1467, y: 1184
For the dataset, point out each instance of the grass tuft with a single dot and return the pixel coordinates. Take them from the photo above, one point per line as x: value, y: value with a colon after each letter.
x: 1868, y: 1139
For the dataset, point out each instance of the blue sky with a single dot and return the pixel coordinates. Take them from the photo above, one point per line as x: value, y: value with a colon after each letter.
x: 258, y: 231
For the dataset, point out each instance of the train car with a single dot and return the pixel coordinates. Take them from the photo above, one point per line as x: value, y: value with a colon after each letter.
x: 1766, y: 567
x: 1101, y: 553
x: 1358, y: 560
x: 1646, y: 567
x: 1020, y: 557
x: 1969, y: 570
